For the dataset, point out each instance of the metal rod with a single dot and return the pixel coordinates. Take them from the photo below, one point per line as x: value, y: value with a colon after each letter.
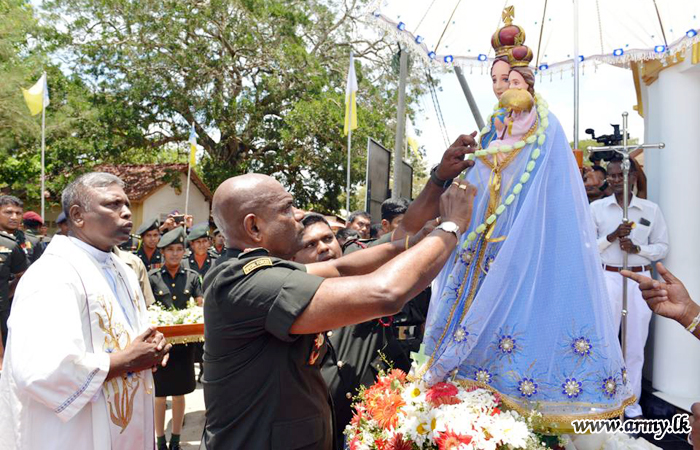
x: 400, y: 124
x: 539, y: 43
x: 576, y: 76
x: 187, y: 194
x: 625, y: 150
x: 619, y: 148
x: 347, y: 186
x: 349, y: 124
x: 368, y: 187
x: 470, y: 98
x: 625, y: 219
x: 43, y: 151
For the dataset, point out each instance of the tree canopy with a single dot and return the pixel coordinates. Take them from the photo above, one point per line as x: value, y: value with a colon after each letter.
x: 263, y: 81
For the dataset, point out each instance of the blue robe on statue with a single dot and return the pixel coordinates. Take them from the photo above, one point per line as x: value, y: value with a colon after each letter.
x: 523, y: 309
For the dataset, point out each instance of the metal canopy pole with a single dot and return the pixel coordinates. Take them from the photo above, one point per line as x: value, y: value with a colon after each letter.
x: 576, y: 76
x: 470, y: 98
x: 625, y: 151
x: 400, y: 124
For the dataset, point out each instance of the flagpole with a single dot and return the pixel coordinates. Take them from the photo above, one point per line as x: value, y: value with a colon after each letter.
x: 187, y: 194
x: 43, y: 149
x: 347, y: 189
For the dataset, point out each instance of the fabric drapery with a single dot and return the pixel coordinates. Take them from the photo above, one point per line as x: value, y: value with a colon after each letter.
x: 523, y: 309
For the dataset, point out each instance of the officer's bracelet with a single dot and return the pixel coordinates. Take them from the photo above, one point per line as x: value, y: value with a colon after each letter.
x: 694, y: 324
x: 437, y: 180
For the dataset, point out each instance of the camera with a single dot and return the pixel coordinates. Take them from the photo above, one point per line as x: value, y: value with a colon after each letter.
x: 607, y: 140
x: 179, y: 218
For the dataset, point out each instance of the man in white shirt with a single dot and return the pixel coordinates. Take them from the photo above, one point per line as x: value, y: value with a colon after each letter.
x: 645, y: 239
x: 80, y: 349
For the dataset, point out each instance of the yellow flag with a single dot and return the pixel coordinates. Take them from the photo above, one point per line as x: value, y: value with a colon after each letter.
x: 193, y: 146
x: 350, y: 103
x: 37, y: 96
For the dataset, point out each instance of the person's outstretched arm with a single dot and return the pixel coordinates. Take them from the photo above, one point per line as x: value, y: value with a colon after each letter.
x: 669, y: 298
x: 349, y: 300
x: 427, y: 205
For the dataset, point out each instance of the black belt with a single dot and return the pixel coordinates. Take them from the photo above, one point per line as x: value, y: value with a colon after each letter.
x: 635, y: 269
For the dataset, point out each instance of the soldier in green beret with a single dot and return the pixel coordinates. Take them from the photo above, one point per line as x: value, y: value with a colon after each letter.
x: 173, y: 285
x: 149, y: 250
x: 199, y: 260
x: 219, y: 242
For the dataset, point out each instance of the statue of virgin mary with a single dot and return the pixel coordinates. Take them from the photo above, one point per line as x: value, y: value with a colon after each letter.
x: 521, y: 307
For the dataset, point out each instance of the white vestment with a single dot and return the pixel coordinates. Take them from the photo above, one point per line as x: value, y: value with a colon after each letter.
x: 65, y: 321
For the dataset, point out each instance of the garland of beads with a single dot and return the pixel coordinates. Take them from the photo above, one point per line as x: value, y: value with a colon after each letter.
x: 539, y: 136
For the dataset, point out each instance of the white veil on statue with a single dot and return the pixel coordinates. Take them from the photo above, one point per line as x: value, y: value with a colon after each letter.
x: 521, y: 307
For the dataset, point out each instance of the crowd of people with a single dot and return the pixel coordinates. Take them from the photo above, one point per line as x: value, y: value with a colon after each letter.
x: 298, y: 315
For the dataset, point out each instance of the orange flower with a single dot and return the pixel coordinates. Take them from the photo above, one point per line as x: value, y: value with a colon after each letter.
x: 449, y: 440
x: 385, y: 409
x: 397, y: 374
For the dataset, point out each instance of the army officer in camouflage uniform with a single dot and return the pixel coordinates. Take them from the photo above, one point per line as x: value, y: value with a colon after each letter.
x: 173, y: 285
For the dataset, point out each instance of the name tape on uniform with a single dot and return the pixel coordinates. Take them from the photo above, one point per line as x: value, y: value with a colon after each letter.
x: 256, y: 264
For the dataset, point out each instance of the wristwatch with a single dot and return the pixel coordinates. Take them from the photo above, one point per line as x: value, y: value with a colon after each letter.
x: 437, y: 180
x: 449, y: 227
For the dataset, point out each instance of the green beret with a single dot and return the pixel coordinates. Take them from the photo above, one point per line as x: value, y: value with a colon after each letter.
x: 198, y: 231
x: 176, y: 236
x: 147, y: 226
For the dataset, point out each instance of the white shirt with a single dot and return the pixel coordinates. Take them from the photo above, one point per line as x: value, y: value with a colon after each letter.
x: 649, y: 232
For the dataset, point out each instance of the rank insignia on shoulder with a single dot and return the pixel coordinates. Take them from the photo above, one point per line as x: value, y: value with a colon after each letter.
x: 256, y: 264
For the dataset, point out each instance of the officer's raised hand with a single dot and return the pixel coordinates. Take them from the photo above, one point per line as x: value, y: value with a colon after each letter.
x: 453, y: 162
x: 456, y: 204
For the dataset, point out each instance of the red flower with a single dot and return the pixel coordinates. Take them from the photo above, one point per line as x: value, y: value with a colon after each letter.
x: 381, y: 444
x: 398, y: 443
x: 442, y: 394
x: 495, y: 411
x: 392, y: 380
x: 357, y: 417
x: 449, y: 440
x: 353, y: 444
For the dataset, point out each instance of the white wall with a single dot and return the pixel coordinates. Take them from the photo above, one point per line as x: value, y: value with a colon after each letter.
x: 671, y: 106
x: 165, y: 199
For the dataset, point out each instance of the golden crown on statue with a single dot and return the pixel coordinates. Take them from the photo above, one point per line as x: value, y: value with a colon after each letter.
x: 508, y: 41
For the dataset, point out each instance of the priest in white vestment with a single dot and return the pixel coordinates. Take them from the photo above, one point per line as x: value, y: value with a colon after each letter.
x: 80, y: 350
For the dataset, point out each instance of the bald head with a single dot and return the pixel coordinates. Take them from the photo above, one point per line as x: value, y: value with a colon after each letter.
x: 255, y: 210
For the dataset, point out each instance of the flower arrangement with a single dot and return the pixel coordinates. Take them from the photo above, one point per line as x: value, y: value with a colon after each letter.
x: 160, y: 316
x: 398, y: 414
